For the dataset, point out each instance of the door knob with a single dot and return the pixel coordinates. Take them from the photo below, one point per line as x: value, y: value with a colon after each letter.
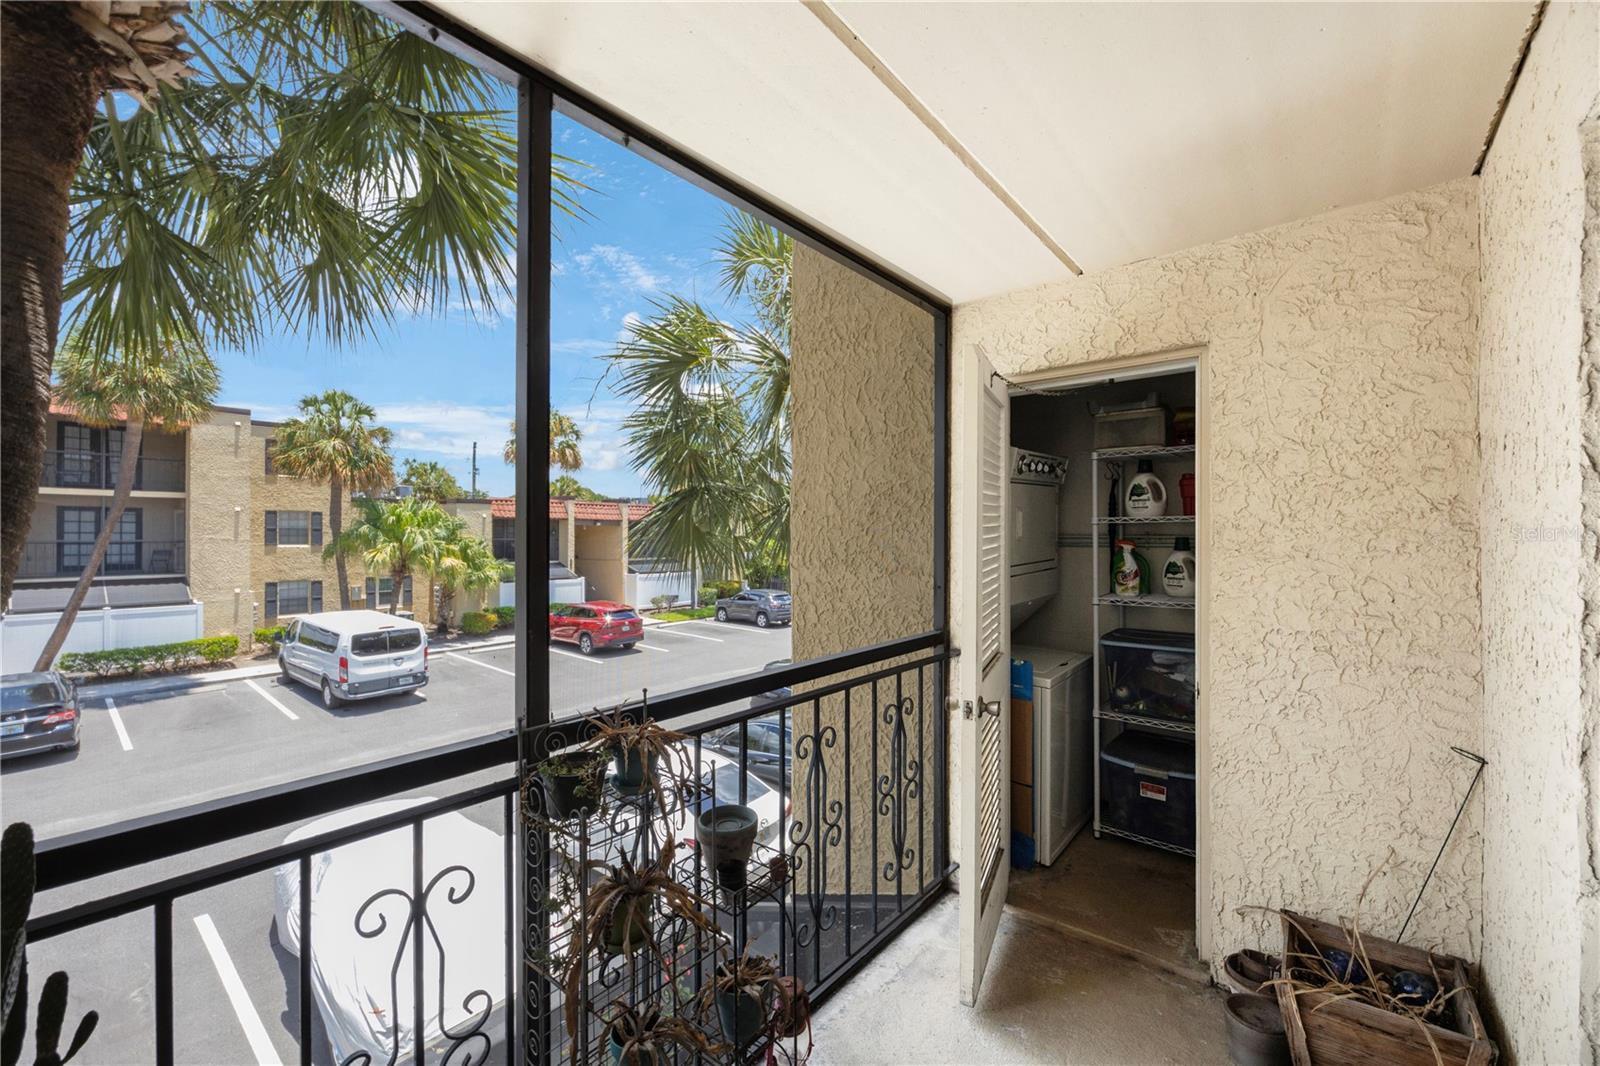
x: 992, y: 707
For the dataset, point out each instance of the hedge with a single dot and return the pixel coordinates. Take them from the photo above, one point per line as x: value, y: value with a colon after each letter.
x: 270, y: 635
x: 505, y: 617
x: 475, y: 623
x: 712, y: 591
x: 151, y: 657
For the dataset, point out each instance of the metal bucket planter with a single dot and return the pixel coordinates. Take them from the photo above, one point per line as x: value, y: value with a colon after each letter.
x: 727, y: 835
x: 628, y: 930
x: 1256, y: 1035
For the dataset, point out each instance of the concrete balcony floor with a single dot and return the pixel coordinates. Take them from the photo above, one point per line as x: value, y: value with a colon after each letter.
x: 1048, y: 998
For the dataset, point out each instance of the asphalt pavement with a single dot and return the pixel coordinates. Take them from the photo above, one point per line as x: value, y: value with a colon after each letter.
x: 148, y: 748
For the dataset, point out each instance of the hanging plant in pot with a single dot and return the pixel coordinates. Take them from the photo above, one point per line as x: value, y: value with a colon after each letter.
x: 623, y: 907
x: 571, y: 782
x: 649, y: 758
x: 727, y: 834
x: 643, y: 1036
x: 740, y: 989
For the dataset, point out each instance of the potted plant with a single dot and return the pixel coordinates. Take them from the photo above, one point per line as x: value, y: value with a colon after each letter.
x: 571, y: 782
x: 621, y: 915
x: 649, y: 758
x: 727, y: 833
x: 740, y: 988
x: 642, y: 1036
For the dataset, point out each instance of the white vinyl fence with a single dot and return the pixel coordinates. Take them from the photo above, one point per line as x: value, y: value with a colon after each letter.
x: 508, y: 594
x: 22, y: 636
x: 567, y: 590
x: 641, y: 588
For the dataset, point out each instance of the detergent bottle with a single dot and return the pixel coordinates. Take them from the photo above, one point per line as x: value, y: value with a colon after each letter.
x: 1147, y: 496
x: 1125, y: 571
x: 1177, y: 576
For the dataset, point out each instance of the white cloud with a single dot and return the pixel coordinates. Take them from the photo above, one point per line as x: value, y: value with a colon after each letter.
x: 614, y: 268
x: 448, y: 428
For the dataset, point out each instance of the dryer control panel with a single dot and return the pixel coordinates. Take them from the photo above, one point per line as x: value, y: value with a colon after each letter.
x: 1037, y: 467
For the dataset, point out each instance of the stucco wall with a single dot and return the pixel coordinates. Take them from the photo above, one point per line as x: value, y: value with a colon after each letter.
x: 598, y: 555
x: 1339, y: 392
x: 220, y: 473
x: 1531, y: 419
x: 862, y: 568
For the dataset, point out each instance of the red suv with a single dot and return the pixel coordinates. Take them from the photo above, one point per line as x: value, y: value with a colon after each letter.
x: 596, y: 624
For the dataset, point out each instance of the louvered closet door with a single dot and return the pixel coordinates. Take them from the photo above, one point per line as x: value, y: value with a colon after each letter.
x: 984, y: 669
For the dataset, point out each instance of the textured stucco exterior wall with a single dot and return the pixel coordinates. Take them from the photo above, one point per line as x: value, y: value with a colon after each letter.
x: 1531, y: 420
x: 599, y: 558
x: 221, y: 451
x: 862, y: 566
x: 1339, y: 387
x: 1589, y: 658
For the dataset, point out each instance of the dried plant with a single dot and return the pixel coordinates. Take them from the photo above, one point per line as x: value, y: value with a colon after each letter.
x: 628, y: 895
x: 646, y: 1034
x: 659, y: 750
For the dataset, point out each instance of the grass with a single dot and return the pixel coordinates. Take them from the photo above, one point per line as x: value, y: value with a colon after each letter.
x: 687, y: 614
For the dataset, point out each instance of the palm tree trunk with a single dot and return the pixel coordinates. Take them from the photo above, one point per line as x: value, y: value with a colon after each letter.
x: 51, y: 75
x: 335, y: 527
x: 126, y: 470
x: 399, y: 581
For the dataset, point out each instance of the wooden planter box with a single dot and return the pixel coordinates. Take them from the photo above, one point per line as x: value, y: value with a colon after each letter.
x: 1327, y: 1031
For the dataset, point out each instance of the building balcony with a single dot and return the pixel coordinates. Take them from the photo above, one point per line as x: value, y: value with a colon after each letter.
x: 65, y: 559
x: 98, y: 470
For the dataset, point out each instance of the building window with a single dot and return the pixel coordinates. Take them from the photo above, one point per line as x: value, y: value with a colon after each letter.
x: 76, y: 530
x: 293, y: 527
x: 272, y: 444
x: 292, y: 597
x: 380, y: 592
x: 504, y: 538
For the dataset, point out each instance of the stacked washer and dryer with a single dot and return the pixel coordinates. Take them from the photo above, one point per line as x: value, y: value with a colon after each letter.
x: 1063, y: 733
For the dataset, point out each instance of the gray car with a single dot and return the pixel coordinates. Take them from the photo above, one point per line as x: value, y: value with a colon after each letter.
x: 764, y: 607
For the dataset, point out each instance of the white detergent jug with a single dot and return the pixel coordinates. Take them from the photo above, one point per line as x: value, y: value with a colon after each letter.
x: 1177, y: 576
x: 1146, y: 496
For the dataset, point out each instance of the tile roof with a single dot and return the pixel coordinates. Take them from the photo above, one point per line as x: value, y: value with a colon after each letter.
x: 503, y: 507
x: 592, y: 510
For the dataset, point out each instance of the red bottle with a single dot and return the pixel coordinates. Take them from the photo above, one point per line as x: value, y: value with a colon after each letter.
x: 1186, y: 488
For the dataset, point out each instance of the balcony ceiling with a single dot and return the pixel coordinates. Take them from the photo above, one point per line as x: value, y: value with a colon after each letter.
x: 1003, y: 145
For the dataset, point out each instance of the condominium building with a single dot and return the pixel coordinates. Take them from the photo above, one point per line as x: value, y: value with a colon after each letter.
x: 213, y: 535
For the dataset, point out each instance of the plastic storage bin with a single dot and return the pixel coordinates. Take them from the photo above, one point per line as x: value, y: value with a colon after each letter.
x: 1149, y: 672
x: 1147, y: 787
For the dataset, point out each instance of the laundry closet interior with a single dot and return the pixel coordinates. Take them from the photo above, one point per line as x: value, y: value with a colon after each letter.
x: 1103, y: 576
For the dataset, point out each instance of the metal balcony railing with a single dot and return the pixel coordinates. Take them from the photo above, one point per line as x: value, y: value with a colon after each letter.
x: 98, y: 470
x: 846, y: 753
x: 124, y: 558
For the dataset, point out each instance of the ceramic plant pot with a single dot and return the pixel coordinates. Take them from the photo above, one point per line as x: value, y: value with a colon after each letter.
x: 569, y: 793
x: 727, y: 834
x: 743, y: 1015
x: 633, y: 774
x: 1256, y: 1035
x: 626, y: 933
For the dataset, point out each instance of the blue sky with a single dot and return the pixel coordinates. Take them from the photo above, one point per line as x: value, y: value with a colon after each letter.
x: 442, y: 382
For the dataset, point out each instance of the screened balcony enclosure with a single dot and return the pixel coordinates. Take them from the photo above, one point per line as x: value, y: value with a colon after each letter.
x: 836, y: 311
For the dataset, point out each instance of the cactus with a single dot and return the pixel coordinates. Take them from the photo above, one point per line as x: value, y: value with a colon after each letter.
x: 17, y: 874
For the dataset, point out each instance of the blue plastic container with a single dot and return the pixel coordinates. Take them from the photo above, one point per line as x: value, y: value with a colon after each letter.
x: 1021, y: 679
x: 1147, y: 787
x: 1023, y: 856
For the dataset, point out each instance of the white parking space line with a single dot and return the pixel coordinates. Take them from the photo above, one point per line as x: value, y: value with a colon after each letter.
x: 554, y: 650
x: 478, y: 662
x: 678, y: 632
x: 116, y: 720
x: 270, y: 698
x: 651, y: 647
x: 254, y: 1032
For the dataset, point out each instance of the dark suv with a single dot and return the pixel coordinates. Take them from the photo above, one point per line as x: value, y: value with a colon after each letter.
x: 764, y: 607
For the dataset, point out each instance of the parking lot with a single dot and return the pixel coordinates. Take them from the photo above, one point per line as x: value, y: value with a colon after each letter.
x: 147, y: 748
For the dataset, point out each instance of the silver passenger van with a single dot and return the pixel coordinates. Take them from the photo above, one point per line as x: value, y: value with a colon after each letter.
x: 355, y: 655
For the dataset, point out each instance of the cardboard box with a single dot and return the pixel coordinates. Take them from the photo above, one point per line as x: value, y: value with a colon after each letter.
x: 1022, y: 809
x: 1022, y: 741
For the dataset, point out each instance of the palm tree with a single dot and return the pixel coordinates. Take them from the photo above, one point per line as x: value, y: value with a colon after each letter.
x: 334, y: 439
x: 310, y: 166
x: 401, y: 538
x: 465, y: 563
x: 710, y: 426
x: 168, y: 392
x: 564, y: 438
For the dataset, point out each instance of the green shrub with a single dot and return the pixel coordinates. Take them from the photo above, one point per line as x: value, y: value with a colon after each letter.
x: 663, y: 601
x: 152, y: 658
x: 712, y: 591
x: 476, y: 623
x: 270, y: 635
x: 506, y: 616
